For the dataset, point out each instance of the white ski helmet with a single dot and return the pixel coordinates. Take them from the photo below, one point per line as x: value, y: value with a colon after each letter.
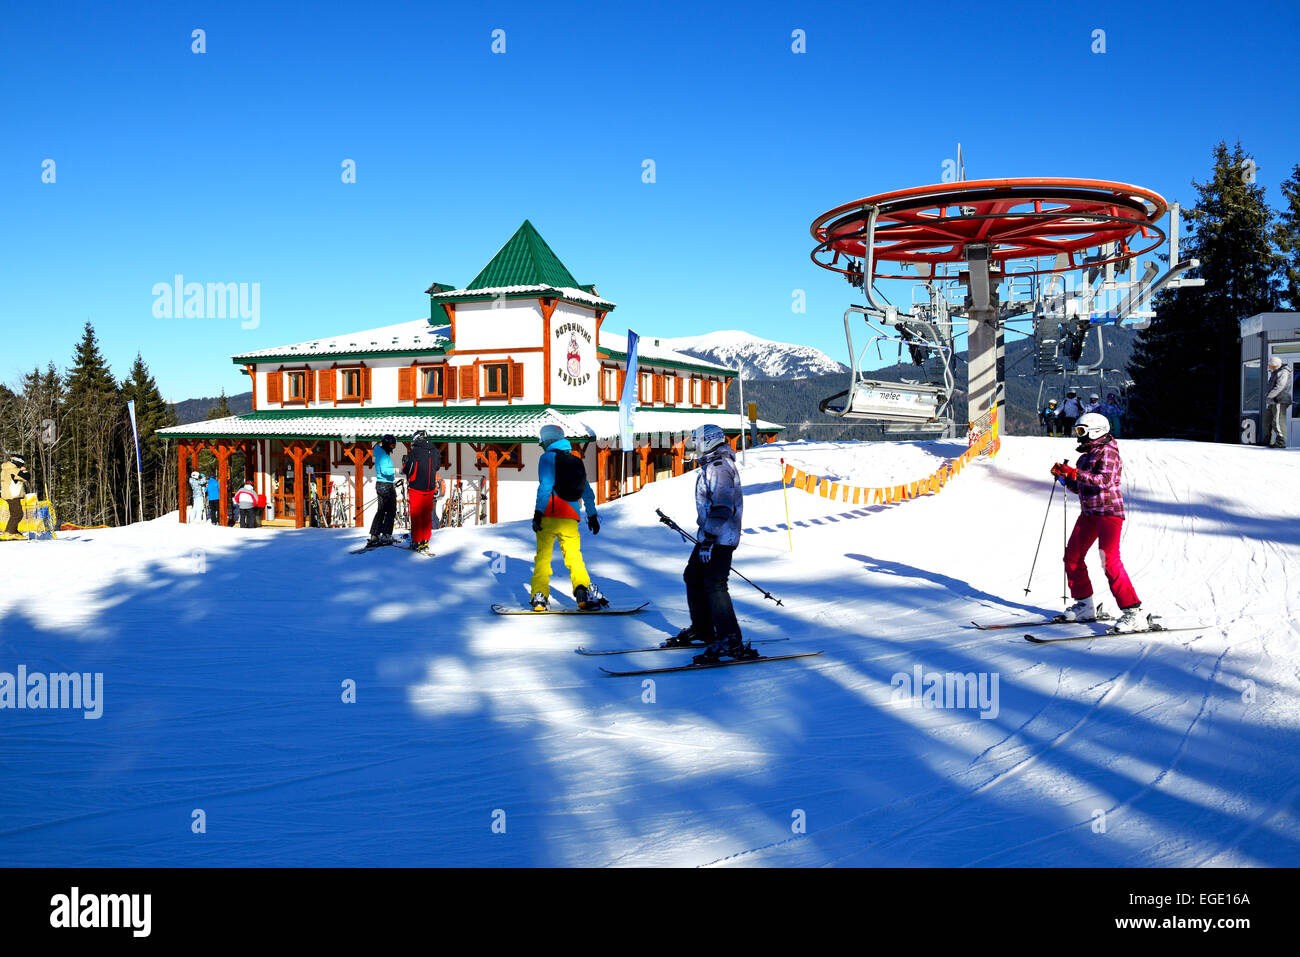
x: 1091, y: 426
x: 548, y: 434
x: 707, y: 438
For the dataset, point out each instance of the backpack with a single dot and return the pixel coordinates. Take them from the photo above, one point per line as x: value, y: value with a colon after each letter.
x: 570, y: 476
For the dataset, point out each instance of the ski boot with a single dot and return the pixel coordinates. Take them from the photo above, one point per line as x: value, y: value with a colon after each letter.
x: 686, y: 638
x: 421, y: 547
x: 732, y: 646
x: 540, y: 602
x: 1132, y: 619
x: 1081, y: 610
x: 385, y: 539
x: 589, y: 597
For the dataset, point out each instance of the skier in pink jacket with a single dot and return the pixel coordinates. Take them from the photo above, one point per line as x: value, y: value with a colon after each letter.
x: 1095, y: 479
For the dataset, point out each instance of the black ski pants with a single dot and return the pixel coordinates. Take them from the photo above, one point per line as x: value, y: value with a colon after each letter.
x: 382, y: 524
x: 707, y: 595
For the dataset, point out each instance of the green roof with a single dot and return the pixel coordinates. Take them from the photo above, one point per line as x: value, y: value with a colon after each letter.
x: 525, y: 260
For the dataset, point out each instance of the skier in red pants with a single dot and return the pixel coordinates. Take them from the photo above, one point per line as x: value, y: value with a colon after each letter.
x: 421, y: 471
x: 1095, y: 478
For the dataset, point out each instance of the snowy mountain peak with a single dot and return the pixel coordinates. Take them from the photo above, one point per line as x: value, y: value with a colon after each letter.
x: 757, y: 358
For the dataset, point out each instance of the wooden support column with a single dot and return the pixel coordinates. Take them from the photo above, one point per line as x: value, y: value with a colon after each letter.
x: 223, y: 451
x: 183, y: 472
x: 644, y: 453
x: 298, y: 451
x: 602, y: 476
x: 358, y: 455
x: 679, y: 457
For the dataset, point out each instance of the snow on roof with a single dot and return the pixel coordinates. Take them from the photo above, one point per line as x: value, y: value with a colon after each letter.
x: 649, y: 349
x: 561, y: 292
x: 453, y: 424
x: 401, y: 337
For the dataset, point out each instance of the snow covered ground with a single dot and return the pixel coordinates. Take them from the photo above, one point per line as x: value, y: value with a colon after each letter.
x: 224, y: 655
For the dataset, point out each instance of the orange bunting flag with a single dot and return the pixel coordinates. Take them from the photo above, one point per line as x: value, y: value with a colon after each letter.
x: 788, y: 476
x: 856, y: 490
x: 822, y: 486
x: 810, y: 485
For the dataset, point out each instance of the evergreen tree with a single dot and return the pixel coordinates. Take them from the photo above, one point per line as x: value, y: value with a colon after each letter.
x: 96, y: 416
x: 151, y: 413
x: 1186, y: 364
x: 1288, y: 235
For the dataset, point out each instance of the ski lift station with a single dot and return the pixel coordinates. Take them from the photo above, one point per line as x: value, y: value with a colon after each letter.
x: 1264, y: 336
x: 1054, y: 259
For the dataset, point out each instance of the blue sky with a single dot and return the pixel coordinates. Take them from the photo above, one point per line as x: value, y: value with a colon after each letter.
x: 225, y: 166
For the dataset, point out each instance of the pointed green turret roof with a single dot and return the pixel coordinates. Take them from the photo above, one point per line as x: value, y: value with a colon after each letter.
x: 524, y: 268
x: 525, y: 260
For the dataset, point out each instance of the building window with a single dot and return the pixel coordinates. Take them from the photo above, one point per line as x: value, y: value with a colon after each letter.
x: 609, y: 385
x: 696, y: 389
x: 351, y: 382
x: 497, y: 378
x: 645, y: 395
x: 1251, y: 385
x: 431, y: 382
x: 297, y: 385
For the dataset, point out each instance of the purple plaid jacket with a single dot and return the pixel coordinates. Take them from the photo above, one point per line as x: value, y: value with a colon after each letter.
x: 1098, y: 481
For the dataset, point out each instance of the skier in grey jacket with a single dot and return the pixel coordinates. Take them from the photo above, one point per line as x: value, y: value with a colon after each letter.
x: 719, y: 506
x: 1277, y: 401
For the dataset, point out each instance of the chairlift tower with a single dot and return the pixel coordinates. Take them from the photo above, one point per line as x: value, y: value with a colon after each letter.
x: 1009, y: 247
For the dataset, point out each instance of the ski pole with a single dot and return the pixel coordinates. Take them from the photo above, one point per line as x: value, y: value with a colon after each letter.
x: 788, y: 532
x: 1046, y: 515
x: 690, y: 538
x: 1065, y: 535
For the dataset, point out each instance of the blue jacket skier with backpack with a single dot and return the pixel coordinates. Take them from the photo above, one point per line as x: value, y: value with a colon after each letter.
x: 562, y: 490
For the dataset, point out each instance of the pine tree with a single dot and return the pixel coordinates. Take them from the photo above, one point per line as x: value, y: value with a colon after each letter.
x: 151, y: 414
x: 1186, y: 364
x: 96, y: 416
x: 1288, y: 235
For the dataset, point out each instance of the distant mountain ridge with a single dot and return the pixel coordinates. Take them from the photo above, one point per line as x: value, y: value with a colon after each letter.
x: 196, y: 410
x: 755, y: 357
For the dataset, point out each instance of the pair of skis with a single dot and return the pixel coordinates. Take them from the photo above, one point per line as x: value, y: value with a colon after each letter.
x: 517, y: 610
x: 1151, y: 626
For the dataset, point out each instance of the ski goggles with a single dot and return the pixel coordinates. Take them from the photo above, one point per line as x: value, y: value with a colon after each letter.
x: 1080, y: 431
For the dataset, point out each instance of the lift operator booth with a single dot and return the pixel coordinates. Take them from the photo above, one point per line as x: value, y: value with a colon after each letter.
x: 1262, y: 337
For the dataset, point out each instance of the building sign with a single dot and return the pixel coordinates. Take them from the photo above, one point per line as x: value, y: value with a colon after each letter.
x: 571, y: 373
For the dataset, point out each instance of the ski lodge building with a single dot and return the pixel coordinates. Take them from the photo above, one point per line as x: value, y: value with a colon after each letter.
x: 520, y: 346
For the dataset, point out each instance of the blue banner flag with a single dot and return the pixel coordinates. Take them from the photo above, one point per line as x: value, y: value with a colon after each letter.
x: 627, y: 401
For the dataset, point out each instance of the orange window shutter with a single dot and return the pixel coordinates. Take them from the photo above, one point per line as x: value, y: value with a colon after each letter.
x: 449, y: 382
x: 622, y: 381
x: 273, y: 391
x: 659, y: 386
x: 406, y: 384
x: 325, y: 384
x: 468, y: 387
x: 516, y: 380
x: 309, y: 385
x: 365, y: 384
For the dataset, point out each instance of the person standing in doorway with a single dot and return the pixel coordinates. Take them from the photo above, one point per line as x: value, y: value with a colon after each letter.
x: 1276, y: 402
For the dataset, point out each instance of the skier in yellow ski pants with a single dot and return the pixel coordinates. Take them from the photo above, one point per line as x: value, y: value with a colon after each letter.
x: 562, y: 490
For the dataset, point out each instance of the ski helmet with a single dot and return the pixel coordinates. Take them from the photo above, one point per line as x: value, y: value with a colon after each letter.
x: 707, y: 438
x: 1091, y: 426
x: 17, y: 460
x: 194, y: 475
x: 420, y: 436
x: 1051, y: 402
x: 1070, y: 392
x: 1094, y: 397
x: 550, y: 433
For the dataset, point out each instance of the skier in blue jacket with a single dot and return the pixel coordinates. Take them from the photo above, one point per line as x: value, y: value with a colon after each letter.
x: 381, y: 526
x: 562, y: 490
x: 214, y: 501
